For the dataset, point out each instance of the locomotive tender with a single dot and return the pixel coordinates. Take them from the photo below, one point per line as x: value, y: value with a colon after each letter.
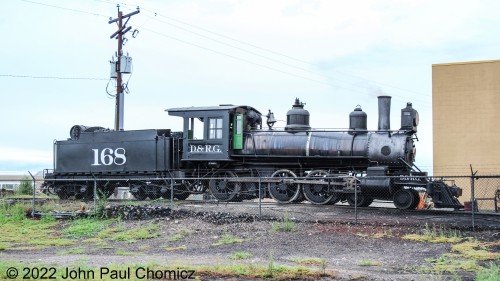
x: 224, y: 149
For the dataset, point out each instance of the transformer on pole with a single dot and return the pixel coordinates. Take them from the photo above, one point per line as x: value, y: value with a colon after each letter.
x: 123, y: 64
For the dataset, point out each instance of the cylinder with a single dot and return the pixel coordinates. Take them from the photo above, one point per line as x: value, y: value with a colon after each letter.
x: 384, y: 113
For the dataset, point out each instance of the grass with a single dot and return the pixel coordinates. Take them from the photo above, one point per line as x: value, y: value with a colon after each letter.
x: 234, y: 271
x: 444, y: 264
x: 370, y: 263
x: 19, y: 233
x: 434, y: 235
x: 180, y: 235
x: 475, y: 250
x: 73, y: 251
x: 86, y: 227
x: 122, y: 252
x: 95, y: 241
x: 286, y: 225
x: 132, y: 235
x: 240, y: 255
x: 489, y: 273
x: 228, y: 238
x: 378, y: 235
x: 173, y: 249
x: 309, y: 261
x: 110, y: 232
x: 465, y: 255
x: 144, y: 247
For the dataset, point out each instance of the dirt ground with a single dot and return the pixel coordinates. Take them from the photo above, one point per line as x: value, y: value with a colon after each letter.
x: 372, y: 249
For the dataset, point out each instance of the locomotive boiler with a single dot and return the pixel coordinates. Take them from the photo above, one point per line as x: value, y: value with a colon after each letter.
x: 225, y: 150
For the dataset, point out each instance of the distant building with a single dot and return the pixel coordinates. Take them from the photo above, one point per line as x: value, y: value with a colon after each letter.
x: 11, y: 181
x: 466, y: 112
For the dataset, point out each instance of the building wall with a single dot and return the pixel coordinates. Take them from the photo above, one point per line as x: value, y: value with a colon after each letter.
x: 466, y: 113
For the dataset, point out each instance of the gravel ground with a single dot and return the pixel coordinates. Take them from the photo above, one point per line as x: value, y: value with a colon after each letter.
x: 343, y: 245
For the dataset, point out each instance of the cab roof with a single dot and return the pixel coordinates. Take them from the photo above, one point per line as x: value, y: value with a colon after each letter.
x: 224, y: 107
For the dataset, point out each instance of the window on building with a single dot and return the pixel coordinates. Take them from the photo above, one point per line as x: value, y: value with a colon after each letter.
x: 8, y: 186
x: 215, y: 128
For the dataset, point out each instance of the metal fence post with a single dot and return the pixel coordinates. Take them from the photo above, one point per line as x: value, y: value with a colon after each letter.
x: 472, y: 200
x: 356, y: 203
x: 34, y: 186
x: 171, y: 194
x: 260, y: 198
x: 95, y: 195
x: 472, y: 203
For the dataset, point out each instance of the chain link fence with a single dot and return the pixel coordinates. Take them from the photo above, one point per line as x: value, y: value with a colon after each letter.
x: 318, y: 196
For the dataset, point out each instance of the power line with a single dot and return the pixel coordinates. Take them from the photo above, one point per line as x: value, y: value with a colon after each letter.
x: 241, y: 49
x: 231, y: 56
x: 52, y: 77
x: 261, y: 65
x: 263, y: 49
x: 64, y: 8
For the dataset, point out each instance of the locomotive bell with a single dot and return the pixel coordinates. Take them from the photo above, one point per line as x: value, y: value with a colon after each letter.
x: 409, y: 118
x: 297, y: 118
x: 358, y: 120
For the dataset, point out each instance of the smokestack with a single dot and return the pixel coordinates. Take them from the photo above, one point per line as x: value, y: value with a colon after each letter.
x: 384, y: 113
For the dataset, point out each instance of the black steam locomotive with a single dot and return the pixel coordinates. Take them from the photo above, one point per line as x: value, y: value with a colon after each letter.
x: 225, y: 150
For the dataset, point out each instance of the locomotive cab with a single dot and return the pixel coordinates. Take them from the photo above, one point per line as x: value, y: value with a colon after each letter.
x: 212, y: 133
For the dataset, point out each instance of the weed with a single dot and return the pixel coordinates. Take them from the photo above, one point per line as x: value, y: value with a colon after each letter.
x: 18, y: 230
x: 132, y: 235
x: 111, y: 231
x: 270, y: 266
x: 474, y: 250
x: 180, y: 235
x: 286, y: 225
x: 14, y: 213
x: 489, y: 273
x: 434, y: 235
x: 86, y: 227
x: 227, y: 238
x: 240, y: 255
x: 311, y: 261
x: 323, y: 267
x: 100, y: 205
x: 443, y: 264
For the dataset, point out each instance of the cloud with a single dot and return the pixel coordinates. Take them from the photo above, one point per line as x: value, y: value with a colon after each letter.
x: 28, y: 156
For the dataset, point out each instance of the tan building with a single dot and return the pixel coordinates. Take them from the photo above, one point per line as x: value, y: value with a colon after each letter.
x: 466, y: 112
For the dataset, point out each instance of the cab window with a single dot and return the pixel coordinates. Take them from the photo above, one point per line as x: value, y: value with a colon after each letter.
x: 195, y: 131
x: 215, y: 128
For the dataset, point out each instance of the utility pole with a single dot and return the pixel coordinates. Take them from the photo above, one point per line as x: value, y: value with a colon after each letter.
x: 123, y: 63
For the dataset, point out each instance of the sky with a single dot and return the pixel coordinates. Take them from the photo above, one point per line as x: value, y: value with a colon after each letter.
x: 332, y: 55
